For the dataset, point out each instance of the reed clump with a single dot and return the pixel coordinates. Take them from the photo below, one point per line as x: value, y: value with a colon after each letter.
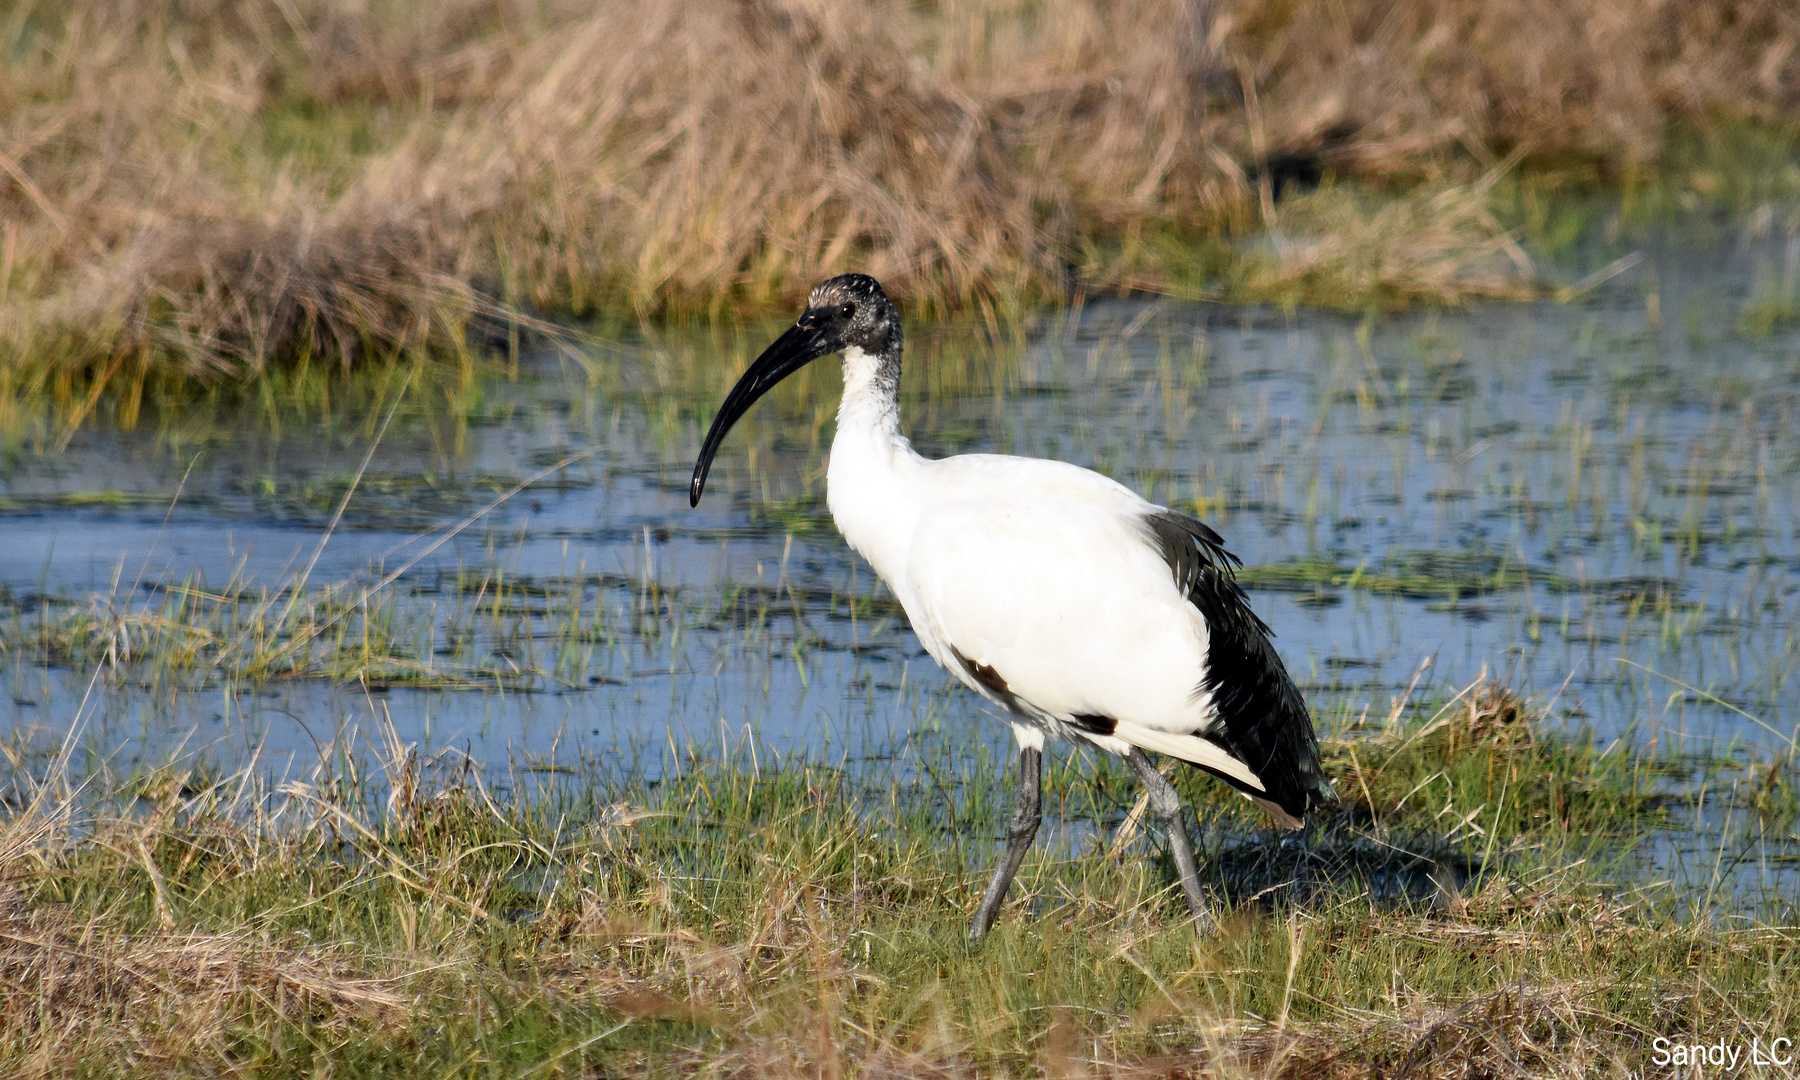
x: 210, y: 186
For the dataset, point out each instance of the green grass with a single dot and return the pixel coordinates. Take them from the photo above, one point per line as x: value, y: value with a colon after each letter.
x: 720, y: 910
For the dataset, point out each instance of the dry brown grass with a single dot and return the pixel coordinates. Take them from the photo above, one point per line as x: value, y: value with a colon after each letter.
x: 223, y: 182
x: 82, y: 992
x: 1596, y: 77
x: 792, y: 1001
x: 209, y: 925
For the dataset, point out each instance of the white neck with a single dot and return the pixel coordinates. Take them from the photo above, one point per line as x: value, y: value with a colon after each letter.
x: 871, y: 395
x: 869, y: 483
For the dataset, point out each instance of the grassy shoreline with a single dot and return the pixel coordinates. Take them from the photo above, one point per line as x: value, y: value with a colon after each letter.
x: 732, y: 913
x: 205, y: 190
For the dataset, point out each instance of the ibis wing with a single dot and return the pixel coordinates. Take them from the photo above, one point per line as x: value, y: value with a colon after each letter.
x: 1093, y: 605
x: 1067, y: 607
x: 1258, y: 712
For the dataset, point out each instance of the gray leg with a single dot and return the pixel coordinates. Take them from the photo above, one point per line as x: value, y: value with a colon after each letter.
x: 1166, y: 805
x: 1020, y: 832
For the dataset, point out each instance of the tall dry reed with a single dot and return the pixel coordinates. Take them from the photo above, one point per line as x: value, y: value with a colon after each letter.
x: 216, y: 184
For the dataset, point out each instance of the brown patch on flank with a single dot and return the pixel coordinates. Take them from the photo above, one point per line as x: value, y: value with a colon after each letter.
x: 1093, y: 724
x: 983, y: 674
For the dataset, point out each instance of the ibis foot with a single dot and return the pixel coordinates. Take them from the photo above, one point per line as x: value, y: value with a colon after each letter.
x: 1020, y: 832
x: 1166, y: 805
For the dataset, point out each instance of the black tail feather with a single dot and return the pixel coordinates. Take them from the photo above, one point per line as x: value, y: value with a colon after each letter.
x: 1261, y: 717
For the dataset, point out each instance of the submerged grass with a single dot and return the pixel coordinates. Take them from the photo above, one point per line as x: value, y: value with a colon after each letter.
x: 208, y: 188
x: 491, y: 628
x: 721, y: 911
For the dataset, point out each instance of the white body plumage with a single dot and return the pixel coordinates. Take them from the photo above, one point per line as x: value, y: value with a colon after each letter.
x: 994, y: 559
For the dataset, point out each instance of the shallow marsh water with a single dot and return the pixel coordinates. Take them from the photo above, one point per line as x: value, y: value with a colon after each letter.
x: 1598, y: 501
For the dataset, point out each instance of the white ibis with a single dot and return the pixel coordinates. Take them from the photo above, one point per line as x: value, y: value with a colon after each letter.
x: 1083, y: 610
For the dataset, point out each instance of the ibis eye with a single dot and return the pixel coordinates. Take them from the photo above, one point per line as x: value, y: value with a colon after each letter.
x: 848, y: 310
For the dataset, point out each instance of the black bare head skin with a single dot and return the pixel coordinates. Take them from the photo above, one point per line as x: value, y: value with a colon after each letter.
x: 851, y: 309
x: 848, y: 311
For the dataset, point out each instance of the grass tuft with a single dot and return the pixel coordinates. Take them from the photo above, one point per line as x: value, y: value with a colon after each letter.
x: 720, y: 911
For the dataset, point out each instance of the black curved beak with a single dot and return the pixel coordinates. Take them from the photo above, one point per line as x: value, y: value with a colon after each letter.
x: 800, y: 346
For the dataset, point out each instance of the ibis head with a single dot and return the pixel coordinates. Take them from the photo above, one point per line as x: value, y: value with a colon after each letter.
x: 846, y: 312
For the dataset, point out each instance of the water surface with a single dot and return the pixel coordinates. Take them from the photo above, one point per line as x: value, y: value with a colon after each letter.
x: 1595, y: 501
